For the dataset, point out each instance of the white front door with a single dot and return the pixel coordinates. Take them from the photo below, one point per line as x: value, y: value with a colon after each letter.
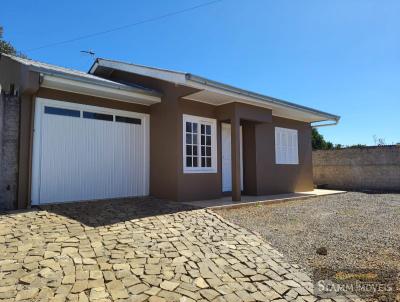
x: 83, y: 152
x: 227, y: 158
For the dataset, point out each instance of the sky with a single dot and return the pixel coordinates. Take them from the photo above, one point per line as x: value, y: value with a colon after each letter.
x: 342, y: 56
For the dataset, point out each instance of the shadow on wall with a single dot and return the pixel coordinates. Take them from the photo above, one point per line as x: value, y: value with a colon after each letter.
x: 106, y: 212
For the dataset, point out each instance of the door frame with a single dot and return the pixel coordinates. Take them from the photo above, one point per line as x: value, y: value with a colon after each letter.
x: 224, y: 124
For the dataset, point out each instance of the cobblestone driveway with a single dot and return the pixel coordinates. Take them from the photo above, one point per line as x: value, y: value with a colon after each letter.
x: 139, y: 251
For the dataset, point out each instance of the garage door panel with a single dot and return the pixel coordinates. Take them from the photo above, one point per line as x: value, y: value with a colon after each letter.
x: 54, y: 147
x: 84, y: 159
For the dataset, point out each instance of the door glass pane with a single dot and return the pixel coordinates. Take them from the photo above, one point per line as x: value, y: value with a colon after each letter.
x: 62, y: 111
x: 98, y: 116
x: 128, y: 120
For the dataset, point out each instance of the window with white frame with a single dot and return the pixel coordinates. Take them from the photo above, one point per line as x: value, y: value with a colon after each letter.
x: 286, y: 146
x: 199, y: 144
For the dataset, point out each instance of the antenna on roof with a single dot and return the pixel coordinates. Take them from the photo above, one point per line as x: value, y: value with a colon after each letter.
x: 89, y: 52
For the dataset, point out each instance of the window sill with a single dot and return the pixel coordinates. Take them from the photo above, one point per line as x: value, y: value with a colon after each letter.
x: 198, y: 171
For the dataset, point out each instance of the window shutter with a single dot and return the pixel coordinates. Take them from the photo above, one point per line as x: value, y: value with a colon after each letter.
x: 286, y: 146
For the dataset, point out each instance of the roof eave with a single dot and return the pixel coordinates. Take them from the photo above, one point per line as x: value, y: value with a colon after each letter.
x: 74, y: 85
x: 191, y: 80
x: 264, y: 98
x: 112, y: 85
x: 94, y: 66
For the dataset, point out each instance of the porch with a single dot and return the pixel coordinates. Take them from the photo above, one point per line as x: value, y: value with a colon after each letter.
x: 238, y: 149
x: 246, y: 200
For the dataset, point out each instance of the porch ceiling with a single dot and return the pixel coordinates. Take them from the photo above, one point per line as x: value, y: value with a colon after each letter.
x: 218, y: 99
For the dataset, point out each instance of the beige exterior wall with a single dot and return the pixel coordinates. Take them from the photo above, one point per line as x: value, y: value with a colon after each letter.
x: 167, y: 180
x: 90, y: 100
x: 273, y: 178
x: 194, y: 186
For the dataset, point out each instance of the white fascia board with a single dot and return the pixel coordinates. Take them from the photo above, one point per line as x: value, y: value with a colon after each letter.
x: 93, y: 68
x: 166, y: 75
x: 76, y: 86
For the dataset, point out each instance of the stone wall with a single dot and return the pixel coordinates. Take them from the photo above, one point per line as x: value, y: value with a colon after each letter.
x: 9, y: 141
x: 371, y: 168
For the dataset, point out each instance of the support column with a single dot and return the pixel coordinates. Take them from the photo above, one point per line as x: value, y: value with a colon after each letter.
x: 235, y: 153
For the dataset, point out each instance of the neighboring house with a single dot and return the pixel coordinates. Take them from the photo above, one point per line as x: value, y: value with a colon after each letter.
x: 126, y: 130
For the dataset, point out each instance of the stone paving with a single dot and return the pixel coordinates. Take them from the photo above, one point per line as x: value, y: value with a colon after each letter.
x: 142, y: 250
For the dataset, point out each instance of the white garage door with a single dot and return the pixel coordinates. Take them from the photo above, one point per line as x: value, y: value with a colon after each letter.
x: 84, y: 152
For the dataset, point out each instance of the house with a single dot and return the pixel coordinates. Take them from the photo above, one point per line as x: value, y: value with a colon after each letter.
x: 125, y: 130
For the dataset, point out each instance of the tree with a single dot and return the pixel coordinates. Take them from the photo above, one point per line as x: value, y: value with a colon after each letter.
x: 378, y: 141
x: 319, y: 142
x: 357, y: 146
x: 6, y: 47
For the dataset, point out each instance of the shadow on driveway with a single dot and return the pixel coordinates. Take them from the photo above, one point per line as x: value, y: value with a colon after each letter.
x: 105, y: 212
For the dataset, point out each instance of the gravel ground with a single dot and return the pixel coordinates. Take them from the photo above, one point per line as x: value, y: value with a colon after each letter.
x: 360, y: 231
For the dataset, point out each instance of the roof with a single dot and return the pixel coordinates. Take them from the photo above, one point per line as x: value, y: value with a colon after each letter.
x: 217, y: 92
x: 67, y: 73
